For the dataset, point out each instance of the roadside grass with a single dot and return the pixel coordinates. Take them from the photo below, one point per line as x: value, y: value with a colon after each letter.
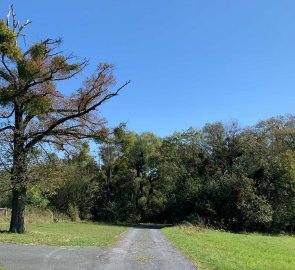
x: 34, y: 215
x: 65, y: 234
x: 215, y: 250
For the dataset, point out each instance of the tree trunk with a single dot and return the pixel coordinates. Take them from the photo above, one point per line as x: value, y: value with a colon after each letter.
x: 17, y: 223
x: 19, y: 188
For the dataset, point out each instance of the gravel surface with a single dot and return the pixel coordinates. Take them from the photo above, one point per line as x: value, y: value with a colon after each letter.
x: 140, y: 248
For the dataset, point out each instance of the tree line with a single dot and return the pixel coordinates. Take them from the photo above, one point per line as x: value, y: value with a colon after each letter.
x: 220, y: 176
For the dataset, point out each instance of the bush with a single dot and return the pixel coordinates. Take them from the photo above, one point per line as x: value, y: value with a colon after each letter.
x: 74, y: 212
x: 36, y: 198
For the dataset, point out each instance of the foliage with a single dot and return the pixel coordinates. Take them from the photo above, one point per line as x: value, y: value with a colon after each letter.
x: 220, y: 176
x: 128, y: 189
x: 8, y: 45
x: 36, y: 198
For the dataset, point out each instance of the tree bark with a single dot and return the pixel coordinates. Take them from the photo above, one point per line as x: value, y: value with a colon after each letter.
x: 19, y: 187
x: 17, y: 223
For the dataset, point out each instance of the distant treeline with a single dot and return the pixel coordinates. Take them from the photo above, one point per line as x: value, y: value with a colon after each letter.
x: 221, y: 176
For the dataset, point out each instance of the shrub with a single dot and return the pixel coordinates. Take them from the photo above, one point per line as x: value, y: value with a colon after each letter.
x: 74, y: 212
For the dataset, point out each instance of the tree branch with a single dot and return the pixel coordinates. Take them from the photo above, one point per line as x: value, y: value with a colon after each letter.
x: 60, y: 121
x: 13, y: 80
x: 7, y: 127
x: 7, y: 116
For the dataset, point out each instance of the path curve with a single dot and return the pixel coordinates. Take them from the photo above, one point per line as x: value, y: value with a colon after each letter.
x: 139, y: 249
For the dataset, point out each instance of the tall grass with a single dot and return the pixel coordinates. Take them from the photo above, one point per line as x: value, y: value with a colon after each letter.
x: 35, y: 215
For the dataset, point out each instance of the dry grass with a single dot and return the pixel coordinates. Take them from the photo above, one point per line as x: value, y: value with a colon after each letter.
x: 34, y: 215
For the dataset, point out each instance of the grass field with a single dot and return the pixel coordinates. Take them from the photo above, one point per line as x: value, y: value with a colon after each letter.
x: 65, y: 234
x: 216, y: 250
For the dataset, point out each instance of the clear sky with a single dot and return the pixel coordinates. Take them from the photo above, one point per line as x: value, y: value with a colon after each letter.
x: 190, y: 61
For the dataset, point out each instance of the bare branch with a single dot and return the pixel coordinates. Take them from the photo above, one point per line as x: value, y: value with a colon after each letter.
x: 7, y: 127
x: 12, y: 78
x: 21, y: 28
x: 8, y: 16
x: 7, y: 116
x: 49, y: 130
x: 16, y: 27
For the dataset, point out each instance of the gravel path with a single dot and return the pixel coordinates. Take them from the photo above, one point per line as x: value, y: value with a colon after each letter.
x: 140, y: 248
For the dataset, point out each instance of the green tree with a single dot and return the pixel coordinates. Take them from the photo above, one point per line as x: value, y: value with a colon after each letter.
x: 128, y: 187
x: 77, y: 189
x: 179, y: 174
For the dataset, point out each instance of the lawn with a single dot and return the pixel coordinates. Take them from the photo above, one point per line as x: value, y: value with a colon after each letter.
x: 65, y: 234
x: 216, y: 250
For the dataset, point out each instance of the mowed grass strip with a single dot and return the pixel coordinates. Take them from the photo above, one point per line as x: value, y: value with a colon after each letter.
x: 65, y: 234
x: 214, y: 250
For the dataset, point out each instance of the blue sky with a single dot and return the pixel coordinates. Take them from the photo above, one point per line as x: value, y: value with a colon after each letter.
x: 190, y: 62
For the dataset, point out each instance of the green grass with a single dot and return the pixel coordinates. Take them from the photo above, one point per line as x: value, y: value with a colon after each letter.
x: 65, y: 234
x: 216, y: 250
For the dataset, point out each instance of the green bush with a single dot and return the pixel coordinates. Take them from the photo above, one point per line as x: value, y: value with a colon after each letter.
x: 36, y: 198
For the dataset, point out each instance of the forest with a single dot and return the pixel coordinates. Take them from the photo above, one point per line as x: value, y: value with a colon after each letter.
x: 221, y: 176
